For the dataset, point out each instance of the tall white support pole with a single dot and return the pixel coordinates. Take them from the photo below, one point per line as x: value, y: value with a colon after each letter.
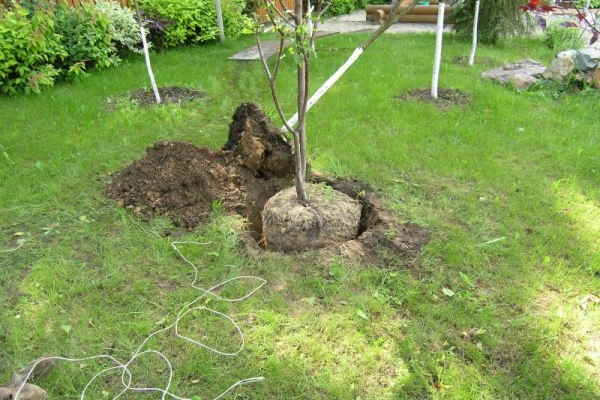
x: 438, y: 50
x: 475, y: 23
x: 220, y: 21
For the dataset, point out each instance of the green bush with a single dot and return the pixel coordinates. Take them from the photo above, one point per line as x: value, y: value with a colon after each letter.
x: 123, y: 26
x: 195, y: 21
x: 86, y: 36
x: 29, y: 48
x: 340, y: 7
x: 497, y: 19
x: 581, y: 3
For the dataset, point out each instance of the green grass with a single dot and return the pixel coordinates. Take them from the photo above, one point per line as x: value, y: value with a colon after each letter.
x: 508, y: 187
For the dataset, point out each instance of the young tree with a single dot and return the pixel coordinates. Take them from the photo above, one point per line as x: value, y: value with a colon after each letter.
x: 475, y: 24
x: 146, y: 53
x: 438, y: 49
x: 300, y: 28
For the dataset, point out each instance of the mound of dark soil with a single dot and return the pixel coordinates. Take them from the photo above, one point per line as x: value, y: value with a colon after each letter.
x: 446, y: 97
x: 170, y: 94
x: 182, y: 181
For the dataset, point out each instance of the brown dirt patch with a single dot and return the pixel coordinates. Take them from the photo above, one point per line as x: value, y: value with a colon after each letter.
x: 182, y: 181
x: 446, y: 97
x: 169, y: 94
x: 486, y: 61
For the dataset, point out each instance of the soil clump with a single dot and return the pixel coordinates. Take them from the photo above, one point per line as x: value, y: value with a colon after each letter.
x: 332, y: 217
x: 182, y: 181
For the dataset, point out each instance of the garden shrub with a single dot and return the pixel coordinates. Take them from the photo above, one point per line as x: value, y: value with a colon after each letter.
x: 193, y: 21
x: 497, y: 19
x: 86, y: 36
x: 581, y: 3
x: 123, y: 26
x: 340, y: 7
x: 29, y: 48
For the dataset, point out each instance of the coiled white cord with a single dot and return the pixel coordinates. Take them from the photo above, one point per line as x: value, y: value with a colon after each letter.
x: 126, y: 376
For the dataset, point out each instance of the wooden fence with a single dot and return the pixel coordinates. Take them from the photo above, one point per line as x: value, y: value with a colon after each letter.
x: 281, y: 5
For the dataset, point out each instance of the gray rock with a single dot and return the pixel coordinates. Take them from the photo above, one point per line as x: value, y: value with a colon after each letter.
x: 506, y: 73
x: 559, y: 68
x: 567, y: 54
x: 29, y: 392
x: 592, y: 52
x: 522, y: 81
x: 584, y: 62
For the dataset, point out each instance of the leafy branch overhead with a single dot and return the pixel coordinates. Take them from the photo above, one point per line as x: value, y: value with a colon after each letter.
x: 298, y: 28
x: 587, y: 20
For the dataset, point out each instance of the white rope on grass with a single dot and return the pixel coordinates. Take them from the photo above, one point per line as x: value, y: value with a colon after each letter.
x: 126, y: 375
x: 17, y: 247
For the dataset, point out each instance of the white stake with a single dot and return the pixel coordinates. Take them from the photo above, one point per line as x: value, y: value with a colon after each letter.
x: 438, y: 49
x: 475, y: 22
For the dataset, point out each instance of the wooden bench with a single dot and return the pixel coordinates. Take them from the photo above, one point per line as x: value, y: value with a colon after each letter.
x: 428, y: 14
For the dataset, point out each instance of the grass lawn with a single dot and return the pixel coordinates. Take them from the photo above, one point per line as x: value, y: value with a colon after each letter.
x: 501, y: 303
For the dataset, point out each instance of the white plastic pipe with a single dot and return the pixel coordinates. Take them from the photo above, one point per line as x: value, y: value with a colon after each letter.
x: 220, y: 21
x: 438, y: 50
x: 328, y: 84
x: 475, y: 23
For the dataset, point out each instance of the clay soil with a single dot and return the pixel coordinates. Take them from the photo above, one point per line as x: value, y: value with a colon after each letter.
x: 183, y: 182
x: 446, y: 97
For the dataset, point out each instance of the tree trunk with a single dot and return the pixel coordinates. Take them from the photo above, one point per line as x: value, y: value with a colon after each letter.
x: 146, y: 53
x: 438, y: 50
x: 300, y: 131
x: 475, y: 23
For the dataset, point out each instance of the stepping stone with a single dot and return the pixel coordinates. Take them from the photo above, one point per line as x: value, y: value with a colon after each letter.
x: 269, y: 47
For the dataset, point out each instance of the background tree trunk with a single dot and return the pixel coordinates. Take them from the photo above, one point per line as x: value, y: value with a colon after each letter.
x: 438, y: 50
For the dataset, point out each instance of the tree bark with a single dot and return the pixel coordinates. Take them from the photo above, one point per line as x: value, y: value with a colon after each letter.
x: 438, y: 49
x: 300, y: 131
x: 147, y: 53
x: 475, y: 23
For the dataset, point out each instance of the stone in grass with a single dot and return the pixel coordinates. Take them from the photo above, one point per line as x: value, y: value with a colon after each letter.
x: 586, y: 59
x: 330, y: 218
x: 522, y: 81
x: 506, y: 73
x: 29, y: 392
x: 559, y: 68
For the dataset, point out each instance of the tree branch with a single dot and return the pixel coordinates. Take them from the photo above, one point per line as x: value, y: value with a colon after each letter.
x: 271, y: 80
